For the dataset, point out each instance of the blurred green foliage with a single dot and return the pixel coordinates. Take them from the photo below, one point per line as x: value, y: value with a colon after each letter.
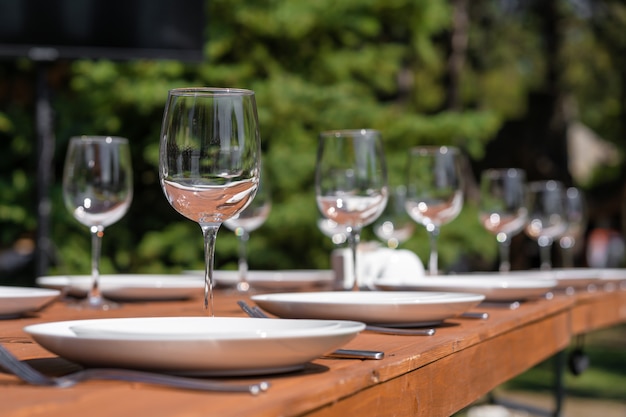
x: 314, y: 66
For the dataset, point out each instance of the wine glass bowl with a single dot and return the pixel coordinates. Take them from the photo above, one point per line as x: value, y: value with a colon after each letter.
x: 394, y: 226
x: 97, y: 190
x: 503, y: 207
x: 351, y: 182
x: 546, y: 216
x: 576, y: 215
x: 434, y: 191
x: 336, y: 232
x: 209, y: 160
x: 247, y: 221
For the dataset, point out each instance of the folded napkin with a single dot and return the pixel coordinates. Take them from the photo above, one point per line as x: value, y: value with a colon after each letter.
x: 375, y: 264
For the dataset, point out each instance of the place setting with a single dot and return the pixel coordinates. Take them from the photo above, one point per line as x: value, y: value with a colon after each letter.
x: 380, y: 310
x: 355, y: 203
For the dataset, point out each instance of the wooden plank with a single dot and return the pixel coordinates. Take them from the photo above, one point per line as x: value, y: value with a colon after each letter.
x: 596, y: 310
x: 443, y: 387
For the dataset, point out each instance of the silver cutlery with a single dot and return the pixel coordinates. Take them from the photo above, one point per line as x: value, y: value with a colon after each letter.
x: 475, y: 315
x: 255, y: 311
x: 355, y: 354
x: 514, y: 305
x: 400, y: 330
x: 29, y: 374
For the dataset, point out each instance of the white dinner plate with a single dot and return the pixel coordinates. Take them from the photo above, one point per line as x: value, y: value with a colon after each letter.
x: 612, y: 278
x: 568, y: 279
x: 374, y: 307
x: 15, y: 301
x: 195, y: 345
x: 283, y: 280
x: 126, y: 287
x: 498, y: 288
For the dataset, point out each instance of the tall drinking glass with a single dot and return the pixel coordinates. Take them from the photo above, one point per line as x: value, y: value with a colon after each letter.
x: 576, y: 214
x: 546, y: 217
x: 503, y: 210
x: 250, y: 219
x: 210, y: 159
x: 351, y: 182
x: 97, y: 190
x: 434, y: 191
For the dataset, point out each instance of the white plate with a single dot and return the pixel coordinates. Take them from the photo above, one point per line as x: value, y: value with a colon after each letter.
x: 15, y: 301
x: 566, y: 279
x: 195, y: 345
x: 612, y: 278
x: 374, y: 307
x: 494, y: 288
x: 128, y: 287
x: 284, y: 279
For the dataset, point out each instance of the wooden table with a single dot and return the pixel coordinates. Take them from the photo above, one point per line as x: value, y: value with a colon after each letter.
x: 420, y: 375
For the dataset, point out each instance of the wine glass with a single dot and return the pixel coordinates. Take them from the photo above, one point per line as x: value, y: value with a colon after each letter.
x: 503, y: 210
x: 351, y: 182
x: 394, y: 226
x: 434, y: 191
x: 250, y: 219
x: 210, y: 160
x: 576, y: 214
x: 546, y: 217
x: 330, y: 228
x: 97, y: 190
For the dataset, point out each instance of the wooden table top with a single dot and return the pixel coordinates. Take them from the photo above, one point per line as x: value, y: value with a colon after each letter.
x: 419, y: 376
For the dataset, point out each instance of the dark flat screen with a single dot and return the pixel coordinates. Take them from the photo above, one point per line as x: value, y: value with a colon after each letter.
x: 113, y: 29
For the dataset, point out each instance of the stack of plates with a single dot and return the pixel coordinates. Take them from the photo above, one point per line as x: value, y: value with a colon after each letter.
x: 195, y: 345
x: 400, y: 309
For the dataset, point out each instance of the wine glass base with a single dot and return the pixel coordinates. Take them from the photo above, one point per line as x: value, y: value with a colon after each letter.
x: 95, y: 303
x: 243, y: 287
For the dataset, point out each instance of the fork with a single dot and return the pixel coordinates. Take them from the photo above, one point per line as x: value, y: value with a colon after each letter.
x: 255, y: 311
x: 29, y: 374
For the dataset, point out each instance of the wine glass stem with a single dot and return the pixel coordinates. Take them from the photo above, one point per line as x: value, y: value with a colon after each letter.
x: 210, y: 233
x: 504, y: 246
x: 433, y: 234
x: 94, y: 296
x: 545, y: 250
x: 568, y: 257
x: 353, y: 239
x: 243, y: 285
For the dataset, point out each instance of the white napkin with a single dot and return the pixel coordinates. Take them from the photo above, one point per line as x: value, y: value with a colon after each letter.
x: 376, y: 264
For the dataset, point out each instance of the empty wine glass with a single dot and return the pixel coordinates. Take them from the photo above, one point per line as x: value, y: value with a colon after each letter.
x: 210, y: 159
x: 576, y: 214
x: 351, y: 182
x: 503, y: 210
x: 330, y: 228
x: 434, y: 191
x: 250, y: 219
x: 394, y: 226
x: 546, y: 217
x: 97, y: 190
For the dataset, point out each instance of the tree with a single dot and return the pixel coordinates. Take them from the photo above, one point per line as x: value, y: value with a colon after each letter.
x: 383, y: 64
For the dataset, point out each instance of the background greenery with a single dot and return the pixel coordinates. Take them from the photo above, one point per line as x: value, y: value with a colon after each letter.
x: 317, y: 65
